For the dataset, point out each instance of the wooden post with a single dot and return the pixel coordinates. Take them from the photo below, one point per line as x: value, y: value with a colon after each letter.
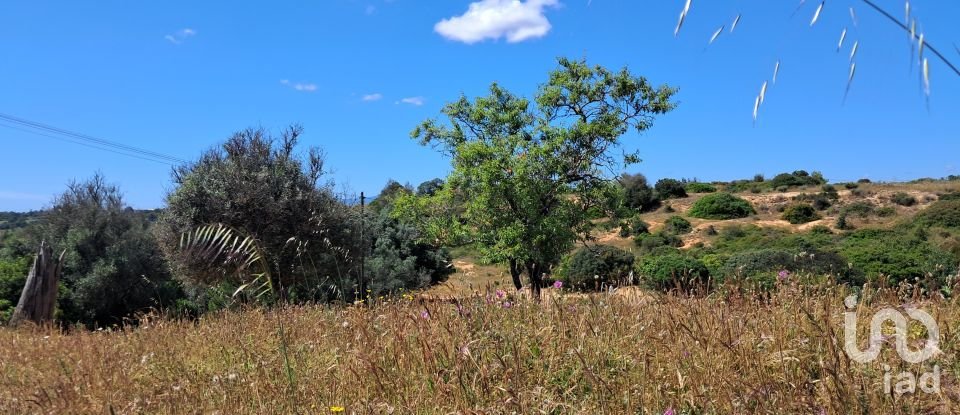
x: 39, y: 296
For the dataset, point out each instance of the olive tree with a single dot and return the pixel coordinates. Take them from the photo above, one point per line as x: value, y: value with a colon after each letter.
x: 259, y: 184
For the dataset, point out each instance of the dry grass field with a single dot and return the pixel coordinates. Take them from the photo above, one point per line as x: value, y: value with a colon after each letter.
x: 572, y: 354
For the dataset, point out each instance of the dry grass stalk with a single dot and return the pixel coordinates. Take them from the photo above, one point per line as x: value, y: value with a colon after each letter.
x: 731, y: 353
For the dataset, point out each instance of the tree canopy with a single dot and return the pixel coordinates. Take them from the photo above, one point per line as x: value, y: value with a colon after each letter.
x: 528, y: 172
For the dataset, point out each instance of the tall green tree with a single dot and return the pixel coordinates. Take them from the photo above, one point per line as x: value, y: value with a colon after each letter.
x: 531, y: 172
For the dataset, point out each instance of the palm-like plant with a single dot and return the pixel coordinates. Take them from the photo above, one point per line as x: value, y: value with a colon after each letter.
x: 232, y: 250
x: 226, y: 247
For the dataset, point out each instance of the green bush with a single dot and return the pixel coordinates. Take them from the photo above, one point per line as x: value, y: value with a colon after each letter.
x: 677, y: 225
x: 266, y: 185
x: 944, y: 213
x: 13, y: 274
x: 886, y: 211
x: 670, y: 188
x: 851, y: 185
x: 800, y: 213
x: 821, y: 230
x: 903, y: 199
x: 697, y: 187
x: 796, y: 179
x: 820, y: 201
x: 897, y: 256
x: 842, y: 223
x: 634, y: 226
x: 637, y: 194
x: 721, y: 206
x: 113, y: 266
x: 667, y: 272
x: 399, y: 261
x: 591, y: 268
x: 862, y: 209
x: 761, y: 266
x: 949, y: 196
x: 741, y: 238
x: 647, y: 242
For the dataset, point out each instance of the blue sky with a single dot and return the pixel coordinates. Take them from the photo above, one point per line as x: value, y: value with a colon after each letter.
x: 177, y: 77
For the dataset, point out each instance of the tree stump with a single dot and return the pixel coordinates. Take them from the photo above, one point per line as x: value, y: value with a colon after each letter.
x: 39, y: 296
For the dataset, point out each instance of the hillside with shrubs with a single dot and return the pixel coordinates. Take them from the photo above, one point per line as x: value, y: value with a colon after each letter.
x: 795, y: 224
x: 531, y: 279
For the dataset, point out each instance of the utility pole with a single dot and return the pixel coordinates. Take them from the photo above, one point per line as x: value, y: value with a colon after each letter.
x: 363, y: 246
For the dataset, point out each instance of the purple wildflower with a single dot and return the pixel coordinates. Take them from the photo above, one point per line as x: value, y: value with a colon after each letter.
x: 558, y: 284
x: 425, y: 315
x: 501, y: 294
x: 783, y: 275
x: 507, y: 304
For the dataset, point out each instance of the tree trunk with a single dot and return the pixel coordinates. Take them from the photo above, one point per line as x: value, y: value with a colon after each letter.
x: 536, y: 279
x: 515, y: 272
x: 39, y: 296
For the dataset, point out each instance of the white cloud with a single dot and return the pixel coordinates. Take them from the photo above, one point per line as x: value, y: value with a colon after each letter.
x: 515, y: 20
x: 416, y: 101
x: 305, y: 87
x: 180, y: 36
x: 373, y: 97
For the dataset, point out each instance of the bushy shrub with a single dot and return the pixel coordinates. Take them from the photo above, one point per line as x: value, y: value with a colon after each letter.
x: 820, y: 201
x: 262, y: 184
x: 944, y: 213
x: 886, y: 211
x: 647, y: 242
x: 721, y: 206
x: 13, y: 274
x: 113, y: 266
x: 670, y: 188
x: 897, y: 256
x: 677, y: 225
x: 862, y: 209
x: 864, y: 181
x: 842, y: 223
x: 800, y: 213
x: 399, y: 261
x: 821, y: 230
x: 949, y: 196
x: 666, y: 272
x: 591, y: 268
x: 758, y: 178
x: 796, y: 179
x: 637, y: 194
x: 740, y: 238
x: 903, y: 199
x: 697, y: 187
x: 851, y: 185
x: 761, y: 266
x: 634, y: 226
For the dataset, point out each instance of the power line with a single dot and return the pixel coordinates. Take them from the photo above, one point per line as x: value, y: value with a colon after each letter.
x: 82, y: 143
x: 89, y: 141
